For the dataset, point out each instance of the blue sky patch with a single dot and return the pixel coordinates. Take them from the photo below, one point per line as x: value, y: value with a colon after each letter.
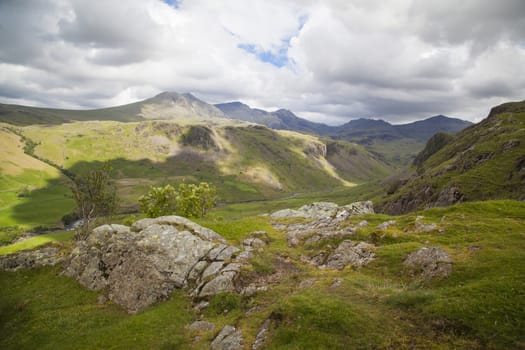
x: 173, y: 3
x: 277, y: 59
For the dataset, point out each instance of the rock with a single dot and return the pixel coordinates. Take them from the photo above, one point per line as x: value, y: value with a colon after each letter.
x: 288, y: 213
x: 362, y: 223
x: 351, y: 253
x: 262, y: 235
x: 360, y: 208
x: 201, y: 326
x: 422, y: 227
x: 307, y: 283
x: 386, y: 224
x: 429, y: 262
x: 227, y: 339
x: 102, y: 299
x: 337, y: 283
x: 253, y: 244
x: 449, y: 196
x: 30, y: 259
x: 142, y: 267
x: 261, y: 335
x: 326, y: 221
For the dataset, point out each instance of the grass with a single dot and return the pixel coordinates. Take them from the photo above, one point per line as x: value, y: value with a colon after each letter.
x: 34, y: 242
x: 479, y: 306
x: 40, y: 309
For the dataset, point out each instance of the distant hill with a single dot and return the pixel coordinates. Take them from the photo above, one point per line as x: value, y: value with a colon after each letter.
x: 281, y: 119
x: 484, y: 161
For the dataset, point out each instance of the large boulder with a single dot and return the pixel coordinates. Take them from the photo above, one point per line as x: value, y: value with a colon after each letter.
x: 143, y: 264
x: 429, y: 262
x: 351, y: 253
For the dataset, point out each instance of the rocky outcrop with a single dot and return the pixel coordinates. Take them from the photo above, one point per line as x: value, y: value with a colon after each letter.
x: 227, y: 339
x: 143, y: 264
x: 30, y: 259
x: 429, y: 263
x: 348, y: 253
x: 324, y: 220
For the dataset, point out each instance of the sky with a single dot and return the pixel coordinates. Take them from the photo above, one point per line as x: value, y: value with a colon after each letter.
x: 327, y: 61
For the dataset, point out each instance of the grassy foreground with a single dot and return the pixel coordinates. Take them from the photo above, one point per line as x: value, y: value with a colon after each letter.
x: 480, y: 306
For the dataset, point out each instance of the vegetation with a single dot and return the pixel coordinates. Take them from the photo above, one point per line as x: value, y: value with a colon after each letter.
x: 484, y: 161
x: 379, y: 306
x: 95, y: 196
x: 189, y: 200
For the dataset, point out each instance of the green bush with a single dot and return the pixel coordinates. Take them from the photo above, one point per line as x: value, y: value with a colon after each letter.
x: 188, y: 200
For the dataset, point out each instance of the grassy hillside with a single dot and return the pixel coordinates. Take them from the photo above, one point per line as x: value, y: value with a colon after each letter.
x: 24, y: 180
x: 484, y: 161
x: 381, y: 306
x: 245, y: 163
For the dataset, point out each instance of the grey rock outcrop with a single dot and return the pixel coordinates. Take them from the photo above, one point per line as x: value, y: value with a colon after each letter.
x: 261, y: 335
x: 201, y: 326
x: 227, y: 339
x: 323, y: 220
x: 351, y: 253
x: 145, y: 263
x: 429, y: 262
x: 30, y: 259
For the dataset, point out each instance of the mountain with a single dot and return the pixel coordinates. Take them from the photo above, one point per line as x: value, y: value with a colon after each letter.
x: 424, y: 129
x: 484, y: 161
x: 167, y: 105
x: 281, y: 119
x: 396, y: 144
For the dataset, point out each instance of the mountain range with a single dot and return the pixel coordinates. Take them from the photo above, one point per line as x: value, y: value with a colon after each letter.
x: 395, y: 144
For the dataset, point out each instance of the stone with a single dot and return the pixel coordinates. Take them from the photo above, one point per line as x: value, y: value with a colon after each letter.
x: 102, y: 299
x: 323, y: 220
x: 143, y: 264
x: 261, y: 335
x: 362, y: 223
x: 227, y: 339
x: 429, y: 262
x: 386, y: 225
x: 422, y: 227
x: 351, y: 253
x: 201, y: 326
x: 360, y: 208
x: 49, y: 256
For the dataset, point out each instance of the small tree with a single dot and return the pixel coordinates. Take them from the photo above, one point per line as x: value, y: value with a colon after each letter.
x: 188, y: 200
x: 95, y: 196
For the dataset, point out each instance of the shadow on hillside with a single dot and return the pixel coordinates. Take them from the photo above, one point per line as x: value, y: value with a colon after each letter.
x: 47, y: 205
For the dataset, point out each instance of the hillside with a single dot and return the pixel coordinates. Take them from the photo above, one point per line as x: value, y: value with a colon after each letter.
x: 245, y: 163
x: 484, y: 161
x: 474, y: 299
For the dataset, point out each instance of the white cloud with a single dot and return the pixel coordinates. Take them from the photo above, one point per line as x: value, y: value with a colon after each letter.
x: 398, y: 61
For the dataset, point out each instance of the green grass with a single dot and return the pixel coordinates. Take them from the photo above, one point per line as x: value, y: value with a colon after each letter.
x: 39, y: 309
x: 34, y: 242
x: 479, y: 306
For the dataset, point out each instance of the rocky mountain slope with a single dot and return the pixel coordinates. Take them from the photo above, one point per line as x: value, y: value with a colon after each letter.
x: 484, y: 161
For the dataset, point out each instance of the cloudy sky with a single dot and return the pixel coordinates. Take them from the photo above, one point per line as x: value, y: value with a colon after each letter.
x: 329, y: 61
